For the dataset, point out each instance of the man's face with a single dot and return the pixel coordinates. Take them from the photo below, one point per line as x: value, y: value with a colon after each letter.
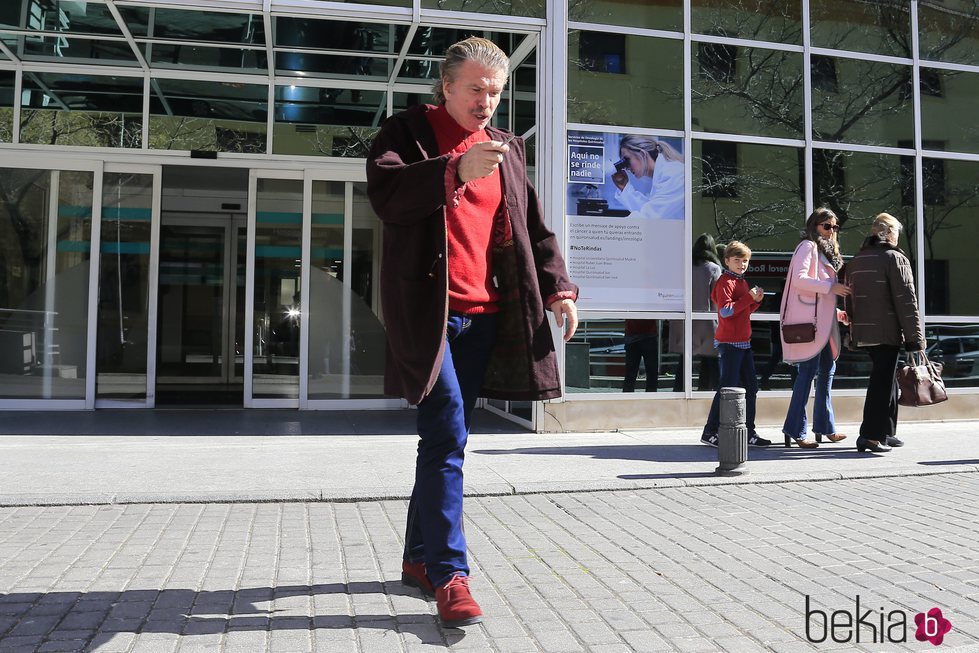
x: 473, y: 95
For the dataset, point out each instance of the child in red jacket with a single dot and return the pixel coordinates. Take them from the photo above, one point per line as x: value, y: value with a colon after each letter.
x: 735, y: 303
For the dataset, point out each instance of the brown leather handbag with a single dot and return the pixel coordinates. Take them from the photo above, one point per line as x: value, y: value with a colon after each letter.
x: 793, y: 333
x: 796, y: 333
x: 920, y: 381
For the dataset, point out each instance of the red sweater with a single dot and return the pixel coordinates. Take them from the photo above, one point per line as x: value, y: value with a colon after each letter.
x: 735, y: 305
x: 470, y: 210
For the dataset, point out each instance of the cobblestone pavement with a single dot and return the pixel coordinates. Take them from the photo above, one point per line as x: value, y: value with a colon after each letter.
x: 713, y: 568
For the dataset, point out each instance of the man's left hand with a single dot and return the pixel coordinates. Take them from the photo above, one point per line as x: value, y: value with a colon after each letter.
x: 565, y: 310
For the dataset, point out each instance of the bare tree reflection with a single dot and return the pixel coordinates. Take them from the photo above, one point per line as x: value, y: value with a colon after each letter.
x: 869, y: 102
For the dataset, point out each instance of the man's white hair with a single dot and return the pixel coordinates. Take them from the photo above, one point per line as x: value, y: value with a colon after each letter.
x: 884, y: 225
x: 482, y: 51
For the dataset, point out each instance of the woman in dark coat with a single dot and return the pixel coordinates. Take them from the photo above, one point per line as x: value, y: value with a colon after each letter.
x: 883, y: 312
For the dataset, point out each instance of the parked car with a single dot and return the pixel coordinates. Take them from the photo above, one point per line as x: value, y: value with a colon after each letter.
x: 959, y: 355
x: 603, y: 342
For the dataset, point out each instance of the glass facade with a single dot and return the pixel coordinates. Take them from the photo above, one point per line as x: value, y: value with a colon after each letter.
x: 208, y: 116
x: 124, y: 286
x: 208, y: 75
x: 6, y: 106
x: 862, y: 102
x: 46, y: 231
x: 759, y: 162
x: 760, y: 120
x: 625, y: 355
x: 532, y: 8
x: 346, y: 355
x: 609, y: 82
x: 277, y: 302
x: 872, y: 27
x: 87, y: 110
x: 729, y: 82
x: 665, y: 15
x: 776, y: 21
x: 308, y: 121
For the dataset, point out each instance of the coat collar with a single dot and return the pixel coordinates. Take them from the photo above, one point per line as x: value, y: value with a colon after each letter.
x: 873, y: 242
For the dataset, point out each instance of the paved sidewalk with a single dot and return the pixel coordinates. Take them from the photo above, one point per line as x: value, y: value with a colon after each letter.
x: 712, y: 568
x: 205, y: 534
x: 188, y: 456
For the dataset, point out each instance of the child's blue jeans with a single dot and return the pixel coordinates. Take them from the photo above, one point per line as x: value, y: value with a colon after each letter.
x: 737, y: 371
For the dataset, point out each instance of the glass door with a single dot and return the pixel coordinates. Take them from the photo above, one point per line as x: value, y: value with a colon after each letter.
x: 126, y: 311
x: 344, y: 334
x: 273, y: 307
x: 315, y: 337
x: 46, y: 262
x: 201, y: 320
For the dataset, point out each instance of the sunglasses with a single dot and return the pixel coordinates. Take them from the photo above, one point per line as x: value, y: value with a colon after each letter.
x: 830, y: 227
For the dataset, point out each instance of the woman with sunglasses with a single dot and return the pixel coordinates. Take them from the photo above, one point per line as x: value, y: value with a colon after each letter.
x: 811, y: 289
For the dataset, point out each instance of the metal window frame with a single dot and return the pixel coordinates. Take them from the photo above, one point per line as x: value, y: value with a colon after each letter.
x: 552, y: 118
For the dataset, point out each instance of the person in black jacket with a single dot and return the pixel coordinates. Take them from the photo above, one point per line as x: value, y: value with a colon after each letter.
x: 883, y: 312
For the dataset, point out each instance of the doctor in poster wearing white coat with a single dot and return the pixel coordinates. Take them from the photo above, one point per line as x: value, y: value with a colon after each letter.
x: 645, y: 157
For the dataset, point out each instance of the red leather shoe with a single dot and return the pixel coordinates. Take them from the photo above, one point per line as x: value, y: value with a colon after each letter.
x: 413, y: 575
x: 456, y: 605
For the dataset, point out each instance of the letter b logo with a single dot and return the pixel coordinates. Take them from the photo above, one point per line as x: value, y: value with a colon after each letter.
x: 932, y: 626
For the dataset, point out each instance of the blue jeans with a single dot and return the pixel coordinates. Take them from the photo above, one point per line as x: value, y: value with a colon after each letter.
x: 434, y: 531
x: 737, y: 371
x: 821, y: 368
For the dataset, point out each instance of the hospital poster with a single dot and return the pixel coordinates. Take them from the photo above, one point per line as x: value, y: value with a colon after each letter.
x: 626, y: 212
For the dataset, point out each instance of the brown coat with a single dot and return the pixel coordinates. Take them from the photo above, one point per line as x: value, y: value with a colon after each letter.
x: 406, y: 187
x: 883, y: 308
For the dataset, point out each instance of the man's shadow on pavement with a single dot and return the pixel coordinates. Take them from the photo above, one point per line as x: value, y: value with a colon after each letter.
x: 94, y: 618
x: 677, y: 453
